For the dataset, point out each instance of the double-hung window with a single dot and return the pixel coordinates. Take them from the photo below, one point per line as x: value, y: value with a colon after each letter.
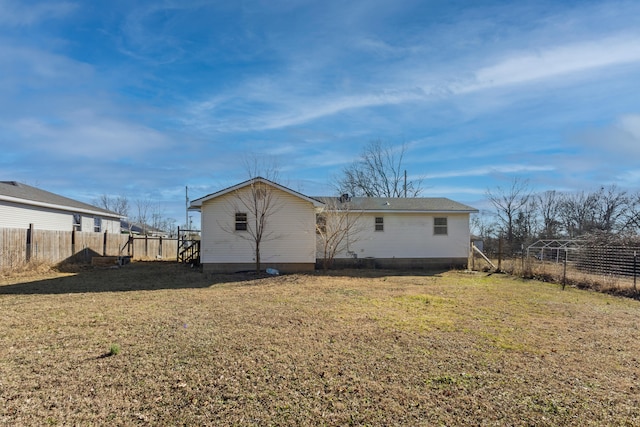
x: 77, y: 222
x: 379, y: 223
x: 241, y: 221
x: 440, y: 226
x: 97, y: 224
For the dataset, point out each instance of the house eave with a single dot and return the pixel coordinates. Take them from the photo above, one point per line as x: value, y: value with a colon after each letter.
x: 196, y: 205
x: 58, y: 207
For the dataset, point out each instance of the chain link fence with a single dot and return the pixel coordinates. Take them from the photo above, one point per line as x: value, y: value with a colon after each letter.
x: 605, y: 268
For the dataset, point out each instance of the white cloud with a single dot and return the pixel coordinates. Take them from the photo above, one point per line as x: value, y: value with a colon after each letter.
x: 88, y: 135
x: 16, y: 13
x: 526, y: 67
x: 488, y: 170
x: 622, y: 137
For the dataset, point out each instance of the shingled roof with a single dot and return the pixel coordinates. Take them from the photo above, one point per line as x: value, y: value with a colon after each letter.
x: 16, y: 192
x: 398, y: 204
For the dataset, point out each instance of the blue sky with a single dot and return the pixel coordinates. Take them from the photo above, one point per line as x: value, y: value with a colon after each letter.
x: 141, y: 99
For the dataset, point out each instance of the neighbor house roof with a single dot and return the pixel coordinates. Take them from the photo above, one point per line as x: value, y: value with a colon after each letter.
x: 16, y: 192
x: 197, y: 204
x: 398, y: 204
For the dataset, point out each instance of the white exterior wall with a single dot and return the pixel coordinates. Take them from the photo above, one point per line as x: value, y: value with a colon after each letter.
x: 13, y: 215
x: 292, y: 228
x: 410, y: 235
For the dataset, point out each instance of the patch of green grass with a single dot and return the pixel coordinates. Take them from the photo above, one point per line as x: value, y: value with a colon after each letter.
x: 114, y: 350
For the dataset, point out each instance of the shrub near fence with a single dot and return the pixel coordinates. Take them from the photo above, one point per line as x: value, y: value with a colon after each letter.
x: 18, y: 246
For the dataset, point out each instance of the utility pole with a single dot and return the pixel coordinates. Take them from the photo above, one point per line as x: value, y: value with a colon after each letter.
x: 186, y: 207
x: 405, y: 183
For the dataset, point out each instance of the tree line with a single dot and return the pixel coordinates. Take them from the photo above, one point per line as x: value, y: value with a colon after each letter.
x: 522, y: 216
x: 145, y: 214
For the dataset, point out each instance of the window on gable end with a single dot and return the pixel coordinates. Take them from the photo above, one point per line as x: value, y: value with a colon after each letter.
x: 241, y: 221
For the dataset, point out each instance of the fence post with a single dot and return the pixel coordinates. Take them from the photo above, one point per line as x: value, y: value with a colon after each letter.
x: 499, y: 270
x: 29, y: 241
x: 104, y: 244
x: 564, y: 270
x: 178, y: 246
x: 73, y: 242
x: 635, y: 269
x: 146, y: 246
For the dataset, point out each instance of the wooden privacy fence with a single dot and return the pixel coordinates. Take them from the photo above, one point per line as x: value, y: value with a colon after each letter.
x: 18, y: 246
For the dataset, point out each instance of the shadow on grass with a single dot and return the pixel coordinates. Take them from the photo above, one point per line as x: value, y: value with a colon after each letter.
x: 159, y: 275
x: 137, y: 276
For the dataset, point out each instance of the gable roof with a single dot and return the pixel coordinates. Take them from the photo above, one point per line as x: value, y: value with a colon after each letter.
x: 197, y: 203
x: 16, y: 192
x: 399, y: 204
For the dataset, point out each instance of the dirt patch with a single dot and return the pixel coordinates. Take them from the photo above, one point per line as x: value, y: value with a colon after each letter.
x: 388, y: 349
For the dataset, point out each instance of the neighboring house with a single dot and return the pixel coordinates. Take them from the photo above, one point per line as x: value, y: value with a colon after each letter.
x: 391, y: 232
x: 22, y: 205
x: 420, y: 232
x: 127, y: 227
x: 228, y: 223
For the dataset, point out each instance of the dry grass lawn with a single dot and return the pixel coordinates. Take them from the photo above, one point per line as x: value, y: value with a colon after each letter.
x: 380, y: 349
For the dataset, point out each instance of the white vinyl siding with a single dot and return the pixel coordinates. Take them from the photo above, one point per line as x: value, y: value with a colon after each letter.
x: 289, y: 235
x: 13, y: 215
x: 411, y: 235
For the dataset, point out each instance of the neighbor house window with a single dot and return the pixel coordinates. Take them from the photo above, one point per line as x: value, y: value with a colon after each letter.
x: 77, y: 222
x: 241, y: 221
x: 440, y: 226
x: 97, y: 225
x: 379, y: 223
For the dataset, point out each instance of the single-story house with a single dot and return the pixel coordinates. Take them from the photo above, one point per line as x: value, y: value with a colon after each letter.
x: 415, y: 232
x: 235, y: 218
x: 390, y: 232
x: 22, y: 205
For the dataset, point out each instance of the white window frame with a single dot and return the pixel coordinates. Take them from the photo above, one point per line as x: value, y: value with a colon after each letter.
x: 438, y: 228
x: 379, y: 225
x: 76, y: 219
x: 241, y: 224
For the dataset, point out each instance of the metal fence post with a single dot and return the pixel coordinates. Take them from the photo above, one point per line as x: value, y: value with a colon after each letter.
x: 635, y: 270
x: 564, y: 270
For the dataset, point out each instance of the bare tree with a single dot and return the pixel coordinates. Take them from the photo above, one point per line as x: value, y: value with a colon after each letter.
x: 611, y: 206
x: 631, y: 216
x: 337, y: 226
x: 253, y: 205
x: 118, y: 204
x: 379, y: 172
x: 549, y: 204
x: 578, y: 213
x: 510, y: 203
x: 143, y: 208
x: 604, y: 211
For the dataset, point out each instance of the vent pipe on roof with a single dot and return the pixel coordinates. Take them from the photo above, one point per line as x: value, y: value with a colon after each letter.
x: 344, y: 198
